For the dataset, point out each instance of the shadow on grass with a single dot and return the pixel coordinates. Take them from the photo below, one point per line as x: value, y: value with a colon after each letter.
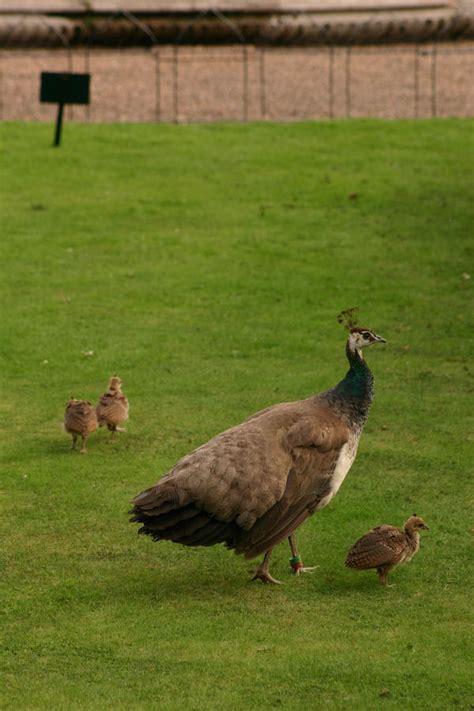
x: 102, y: 444
x: 191, y: 582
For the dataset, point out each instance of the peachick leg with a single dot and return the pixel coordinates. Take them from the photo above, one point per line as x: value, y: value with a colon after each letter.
x: 383, y: 576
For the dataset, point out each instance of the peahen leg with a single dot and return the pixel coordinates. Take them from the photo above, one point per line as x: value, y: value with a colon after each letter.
x: 262, y: 572
x: 295, y: 561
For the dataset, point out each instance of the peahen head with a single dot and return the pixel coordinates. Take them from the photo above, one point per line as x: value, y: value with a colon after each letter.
x: 361, y: 338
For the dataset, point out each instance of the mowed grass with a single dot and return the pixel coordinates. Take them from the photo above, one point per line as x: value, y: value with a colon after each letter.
x: 206, y: 266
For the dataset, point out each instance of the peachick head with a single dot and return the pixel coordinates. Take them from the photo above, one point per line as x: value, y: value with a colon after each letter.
x: 416, y: 523
x: 115, y: 383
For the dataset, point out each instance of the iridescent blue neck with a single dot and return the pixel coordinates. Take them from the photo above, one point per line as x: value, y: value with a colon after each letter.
x: 358, y: 382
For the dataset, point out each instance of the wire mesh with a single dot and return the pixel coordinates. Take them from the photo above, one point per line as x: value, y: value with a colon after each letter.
x: 183, y: 83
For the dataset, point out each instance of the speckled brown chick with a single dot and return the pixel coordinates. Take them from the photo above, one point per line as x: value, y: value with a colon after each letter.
x: 386, y: 546
x: 112, y: 408
x: 80, y: 420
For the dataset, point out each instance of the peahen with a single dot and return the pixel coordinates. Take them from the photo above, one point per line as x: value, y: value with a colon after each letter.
x: 254, y: 484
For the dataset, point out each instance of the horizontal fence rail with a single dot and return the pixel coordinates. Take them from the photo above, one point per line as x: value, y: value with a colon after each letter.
x: 178, y: 83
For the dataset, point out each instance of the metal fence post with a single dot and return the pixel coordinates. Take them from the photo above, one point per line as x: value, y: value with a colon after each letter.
x: 263, y: 97
x: 87, y: 69
x: 434, y: 107
x: 348, y: 82
x: 1, y: 86
x: 157, y: 86
x: 70, y: 62
x: 245, y: 84
x: 331, y: 83
x: 175, y: 83
x: 416, y: 66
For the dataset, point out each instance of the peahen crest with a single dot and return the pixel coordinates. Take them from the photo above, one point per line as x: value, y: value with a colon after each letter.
x: 348, y: 318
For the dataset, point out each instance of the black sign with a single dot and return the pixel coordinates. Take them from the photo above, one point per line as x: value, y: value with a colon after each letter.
x: 64, y: 88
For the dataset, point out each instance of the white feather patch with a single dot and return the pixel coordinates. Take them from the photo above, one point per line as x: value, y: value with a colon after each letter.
x: 346, y: 457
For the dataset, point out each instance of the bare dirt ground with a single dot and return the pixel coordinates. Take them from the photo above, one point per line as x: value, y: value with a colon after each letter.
x: 187, y: 84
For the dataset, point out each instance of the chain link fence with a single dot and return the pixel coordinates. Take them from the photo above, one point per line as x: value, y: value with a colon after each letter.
x: 241, y: 82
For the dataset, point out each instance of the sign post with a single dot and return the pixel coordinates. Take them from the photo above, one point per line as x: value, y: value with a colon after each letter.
x: 63, y: 88
x: 59, y: 125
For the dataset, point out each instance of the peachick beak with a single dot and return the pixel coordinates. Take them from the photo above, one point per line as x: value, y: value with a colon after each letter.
x: 379, y: 339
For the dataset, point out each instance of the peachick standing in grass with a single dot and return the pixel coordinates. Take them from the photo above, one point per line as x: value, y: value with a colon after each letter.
x: 79, y: 419
x: 112, y: 408
x: 251, y: 486
x: 386, y: 546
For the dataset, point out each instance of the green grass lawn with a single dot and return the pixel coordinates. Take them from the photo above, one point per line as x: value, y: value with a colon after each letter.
x: 206, y: 266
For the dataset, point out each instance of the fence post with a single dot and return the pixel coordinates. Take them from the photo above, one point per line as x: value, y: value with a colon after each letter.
x: 175, y: 83
x: 1, y: 86
x: 70, y: 68
x: 416, y: 67
x: 263, y: 106
x: 87, y: 70
x: 157, y: 86
x: 434, y: 54
x: 331, y: 83
x: 245, y: 87
x: 348, y: 82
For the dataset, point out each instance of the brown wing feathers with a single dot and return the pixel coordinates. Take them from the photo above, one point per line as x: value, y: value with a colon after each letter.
x: 80, y: 417
x: 112, y: 407
x: 285, y: 526
x: 249, y: 487
x: 186, y: 524
x: 381, y: 546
